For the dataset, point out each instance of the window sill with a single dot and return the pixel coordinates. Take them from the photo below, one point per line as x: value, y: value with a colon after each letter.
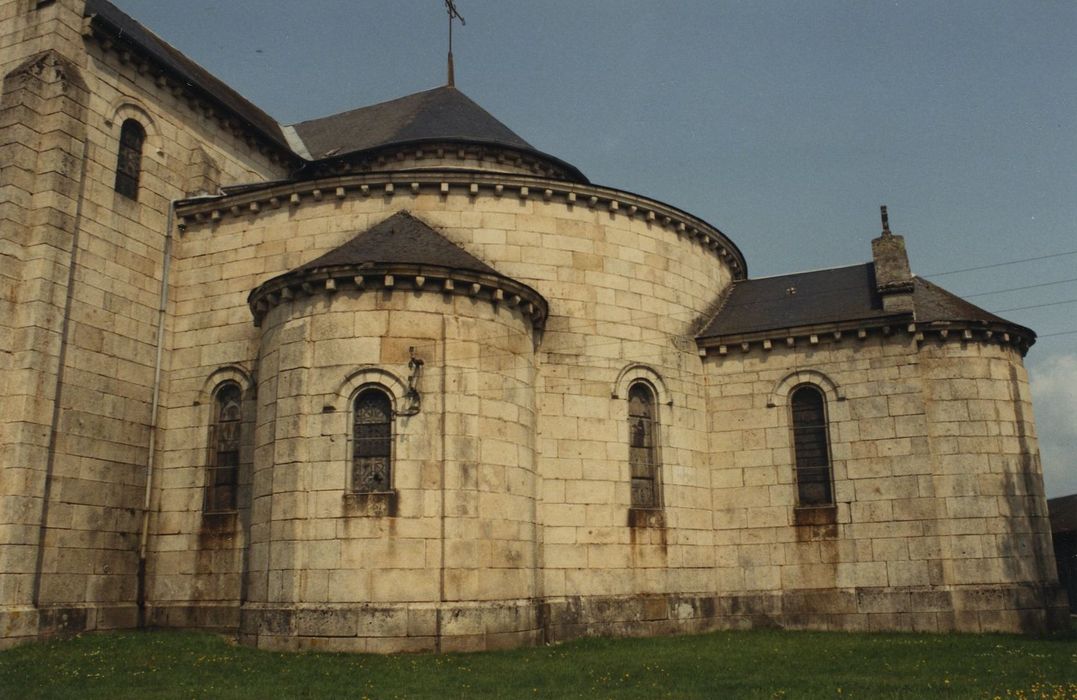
x: 816, y: 522
x: 370, y: 504
x: 816, y: 515
x: 646, y: 517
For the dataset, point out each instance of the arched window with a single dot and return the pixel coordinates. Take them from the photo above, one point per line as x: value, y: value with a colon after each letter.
x: 223, y: 473
x: 372, y: 443
x: 129, y: 164
x: 811, y: 445
x: 642, y: 446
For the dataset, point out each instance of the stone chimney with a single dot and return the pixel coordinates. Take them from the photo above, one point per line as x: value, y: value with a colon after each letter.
x: 893, y: 278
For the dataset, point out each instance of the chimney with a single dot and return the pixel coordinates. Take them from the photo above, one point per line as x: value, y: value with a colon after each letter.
x: 893, y: 279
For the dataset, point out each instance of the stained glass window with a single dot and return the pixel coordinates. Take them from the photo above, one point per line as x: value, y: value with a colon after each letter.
x: 129, y: 164
x: 810, y: 443
x: 223, y: 476
x: 642, y: 446
x: 372, y: 450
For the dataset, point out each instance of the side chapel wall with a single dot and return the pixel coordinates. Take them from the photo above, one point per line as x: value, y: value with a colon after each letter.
x: 939, y: 520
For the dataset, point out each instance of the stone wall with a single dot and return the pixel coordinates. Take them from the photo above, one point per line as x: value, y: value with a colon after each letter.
x: 619, y: 287
x: 510, y: 520
x: 82, y: 269
x: 939, y: 520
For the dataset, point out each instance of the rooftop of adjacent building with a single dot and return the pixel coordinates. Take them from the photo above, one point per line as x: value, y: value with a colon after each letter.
x: 828, y: 296
x: 1063, y: 513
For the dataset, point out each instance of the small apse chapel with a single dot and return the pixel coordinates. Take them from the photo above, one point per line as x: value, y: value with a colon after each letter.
x: 395, y: 379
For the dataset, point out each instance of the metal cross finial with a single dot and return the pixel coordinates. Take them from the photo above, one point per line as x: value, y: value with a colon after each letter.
x: 886, y: 220
x: 450, y: 7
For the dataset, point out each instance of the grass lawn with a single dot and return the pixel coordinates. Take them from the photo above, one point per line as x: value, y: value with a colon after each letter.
x: 760, y: 664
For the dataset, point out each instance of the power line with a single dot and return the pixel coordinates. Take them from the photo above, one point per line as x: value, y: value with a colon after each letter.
x: 1018, y: 289
x: 1036, y: 306
x: 1002, y: 264
x: 1055, y: 335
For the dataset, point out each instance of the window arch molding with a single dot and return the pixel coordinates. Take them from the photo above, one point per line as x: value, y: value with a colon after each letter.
x: 636, y: 372
x: 234, y: 373
x: 125, y: 108
x: 362, y: 378
x: 131, y: 125
x: 784, y: 387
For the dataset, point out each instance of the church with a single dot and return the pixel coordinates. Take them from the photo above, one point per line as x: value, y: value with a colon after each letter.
x: 396, y: 380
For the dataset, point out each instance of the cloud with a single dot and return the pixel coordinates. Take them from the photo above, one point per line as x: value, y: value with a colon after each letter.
x: 1054, y: 393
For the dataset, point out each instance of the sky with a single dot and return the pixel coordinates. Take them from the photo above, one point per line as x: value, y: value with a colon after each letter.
x: 785, y: 124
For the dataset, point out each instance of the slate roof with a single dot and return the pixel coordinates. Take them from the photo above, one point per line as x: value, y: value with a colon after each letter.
x: 400, y: 239
x: 1063, y: 512
x: 832, y: 296
x: 441, y: 113
x: 105, y: 14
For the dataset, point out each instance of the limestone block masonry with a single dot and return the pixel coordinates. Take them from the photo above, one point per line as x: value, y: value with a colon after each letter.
x: 595, y: 419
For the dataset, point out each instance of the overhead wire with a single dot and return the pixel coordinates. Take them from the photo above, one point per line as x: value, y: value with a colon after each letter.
x: 1037, y: 306
x: 1002, y: 264
x: 1019, y: 289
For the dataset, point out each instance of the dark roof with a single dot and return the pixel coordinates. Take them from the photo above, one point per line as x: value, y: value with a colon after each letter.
x: 1063, y: 512
x: 441, y: 113
x: 933, y: 303
x: 124, y: 28
x: 800, y: 299
x: 400, y: 239
x: 832, y: 296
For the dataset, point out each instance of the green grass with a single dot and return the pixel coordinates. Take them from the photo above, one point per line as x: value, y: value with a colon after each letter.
x: 761, y: 664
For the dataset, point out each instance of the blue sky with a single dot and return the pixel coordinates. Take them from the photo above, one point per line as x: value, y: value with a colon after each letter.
x: 785, y: 124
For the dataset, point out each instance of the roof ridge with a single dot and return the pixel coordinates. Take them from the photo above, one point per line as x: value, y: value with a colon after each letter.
x: 806, y: 272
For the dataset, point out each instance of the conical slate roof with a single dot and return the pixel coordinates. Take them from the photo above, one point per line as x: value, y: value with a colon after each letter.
x: 441, y: 113
x: 400, y: 239
x: 399, y: 249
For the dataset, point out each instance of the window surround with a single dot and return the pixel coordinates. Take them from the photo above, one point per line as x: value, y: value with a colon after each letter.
x: 809, y: 438
x: 367, y: 503
x: 207, y: 395
x: 130, y: 153
x: 645, y: 516
x: 375, y: 445
x: 220, y: 438
x: 819, y: 522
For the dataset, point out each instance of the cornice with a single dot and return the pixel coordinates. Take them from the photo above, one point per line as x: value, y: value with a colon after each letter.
x: 201, y: 101
x: 387, y: 185
x: 886, y: 326
x: 366, y: 277
x: 376, y: 159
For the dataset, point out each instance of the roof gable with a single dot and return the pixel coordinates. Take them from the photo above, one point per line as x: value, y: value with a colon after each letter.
x: 400, y: 239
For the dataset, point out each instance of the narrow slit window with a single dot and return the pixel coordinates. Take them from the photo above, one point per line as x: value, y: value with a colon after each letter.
x: 811, y: 444
x: 129, y: 164
x: 223, y: 477
x: 642, y: 446
x: 372, y: 443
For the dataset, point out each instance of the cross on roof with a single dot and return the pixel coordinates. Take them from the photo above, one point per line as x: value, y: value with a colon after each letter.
x: 450, y: 8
